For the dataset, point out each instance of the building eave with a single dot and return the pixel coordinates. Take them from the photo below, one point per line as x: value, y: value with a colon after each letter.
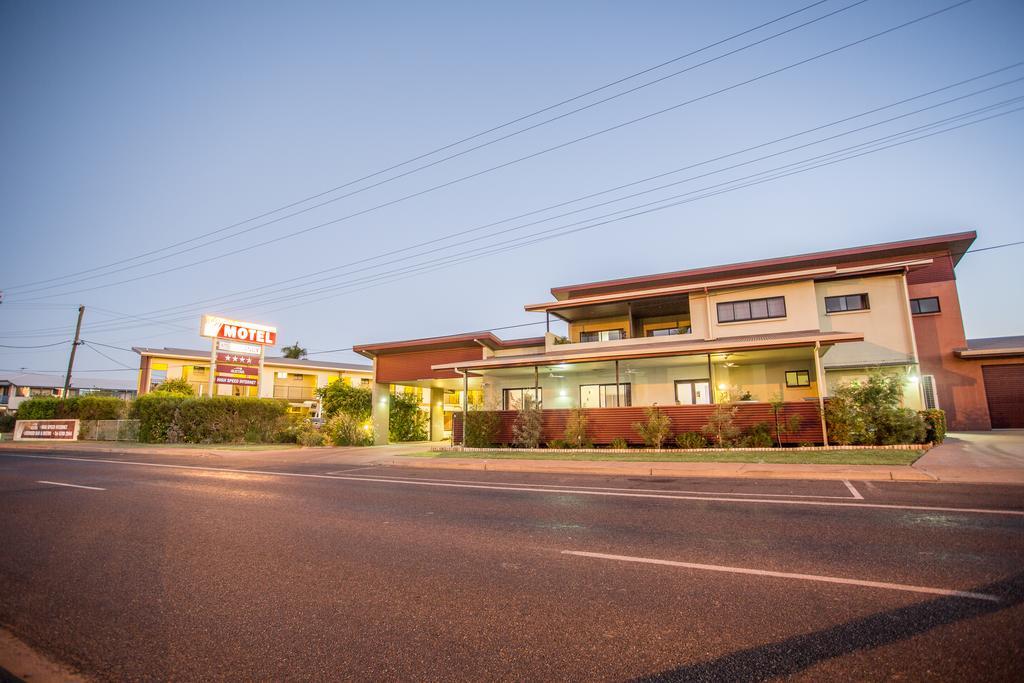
x: 668, y: 348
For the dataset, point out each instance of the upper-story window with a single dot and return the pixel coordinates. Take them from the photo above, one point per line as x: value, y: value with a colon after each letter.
x: 752, y: 309
x: 668, y: 331
x: 850, y: 302
x: 602, y: 335
x: 928, y: 304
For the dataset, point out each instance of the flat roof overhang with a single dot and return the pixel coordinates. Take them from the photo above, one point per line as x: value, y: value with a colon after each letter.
x: 563, y: 308
x: 955, y: 243
x: 452, y: 341
x: 668, y: 348
x: 1009, y: 352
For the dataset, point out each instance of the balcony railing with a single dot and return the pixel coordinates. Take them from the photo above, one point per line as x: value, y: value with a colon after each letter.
x: 295, y: 393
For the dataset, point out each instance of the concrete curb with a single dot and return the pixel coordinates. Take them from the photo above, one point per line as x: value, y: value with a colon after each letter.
x: 676, y: 470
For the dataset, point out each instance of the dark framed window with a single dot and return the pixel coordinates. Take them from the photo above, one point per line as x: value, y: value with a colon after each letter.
x: 752, y: 309
x: 604, y: 395
x: 927, y: 304
x: 849, y: 302
x: 512, y: 399
x: 602, y: 335
x: 798, y: 378
x: 668, y: 331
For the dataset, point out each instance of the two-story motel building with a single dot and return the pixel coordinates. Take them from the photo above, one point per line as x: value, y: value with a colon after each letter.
x: 789, y: 329
x: 291, y: 379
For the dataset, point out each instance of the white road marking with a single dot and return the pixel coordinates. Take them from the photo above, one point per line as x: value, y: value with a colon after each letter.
x: 354, y: 469
x: 74, y: 486
x: 594, y: 488
x: 855, y: 492
x: 530, y: 488
x: 787, y: 575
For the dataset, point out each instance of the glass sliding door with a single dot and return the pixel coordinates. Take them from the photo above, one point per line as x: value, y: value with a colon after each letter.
x: 693, y: 392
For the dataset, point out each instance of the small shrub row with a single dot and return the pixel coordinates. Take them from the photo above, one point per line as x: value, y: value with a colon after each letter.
x: 177, y: 418
x: 72, y: 408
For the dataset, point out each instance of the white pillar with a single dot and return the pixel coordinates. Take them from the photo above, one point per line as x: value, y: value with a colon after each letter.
x: 436, y: 414
x: 380, y: 412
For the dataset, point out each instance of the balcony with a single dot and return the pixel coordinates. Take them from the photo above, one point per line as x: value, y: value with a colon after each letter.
x: 295, y: 393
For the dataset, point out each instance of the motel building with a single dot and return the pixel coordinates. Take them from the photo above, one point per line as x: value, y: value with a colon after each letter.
x: 294, y: 380
x: 791, y: 329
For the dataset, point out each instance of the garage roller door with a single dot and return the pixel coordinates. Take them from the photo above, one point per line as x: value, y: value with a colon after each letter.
x: 1004, y: 385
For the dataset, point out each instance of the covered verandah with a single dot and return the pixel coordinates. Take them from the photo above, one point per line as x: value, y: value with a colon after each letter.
x: 762, y: 376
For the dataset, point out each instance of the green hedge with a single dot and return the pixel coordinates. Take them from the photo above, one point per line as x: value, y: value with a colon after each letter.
x: 75, y: 407
x: 174, y: 418
x: 934, y: 425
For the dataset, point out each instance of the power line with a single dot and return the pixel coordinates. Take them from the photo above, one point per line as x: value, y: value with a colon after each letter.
x: 304, y: 279
x: 451, y: 144
x: 112, y: 360
x: 493, y: 168
x: 35, y: 346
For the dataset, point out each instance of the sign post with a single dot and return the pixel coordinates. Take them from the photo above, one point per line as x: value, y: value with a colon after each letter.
x: 237, y: 350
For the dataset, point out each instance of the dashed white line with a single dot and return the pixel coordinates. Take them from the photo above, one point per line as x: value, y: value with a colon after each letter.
x: 532, y: 489
x: 74, y: 486
x: 855, y: 492
x: 787, y: 575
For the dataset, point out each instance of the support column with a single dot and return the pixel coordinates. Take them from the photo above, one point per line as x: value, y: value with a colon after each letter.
x: 380, y: 412
x: 465, y: 402
x: 819, y: 377
x: 618, y: 386
x: 436, y: 414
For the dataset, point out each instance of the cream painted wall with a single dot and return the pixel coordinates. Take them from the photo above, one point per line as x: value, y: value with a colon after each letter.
x: 885, y: 325
x: 765, y: 381
x: 801, y: 310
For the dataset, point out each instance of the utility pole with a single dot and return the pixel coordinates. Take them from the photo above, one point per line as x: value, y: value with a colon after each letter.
x: 74, y: 347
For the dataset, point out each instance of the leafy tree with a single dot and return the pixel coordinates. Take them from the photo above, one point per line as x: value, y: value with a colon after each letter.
x: 481, y: 428
x: 407, y: 422
x: 721, y: 428
x: 871, y: 413
x: 175, y: 386
x: 338, y: 397
x: 656, y: 430
x: 294, y: 351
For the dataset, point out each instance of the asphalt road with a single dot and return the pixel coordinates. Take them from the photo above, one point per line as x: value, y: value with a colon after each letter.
x: 312, y: 571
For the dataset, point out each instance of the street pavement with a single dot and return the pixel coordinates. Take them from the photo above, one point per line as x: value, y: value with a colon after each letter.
x: 128, y: 567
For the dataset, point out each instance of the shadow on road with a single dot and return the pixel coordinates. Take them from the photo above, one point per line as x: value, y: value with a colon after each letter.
x: 795, y: 654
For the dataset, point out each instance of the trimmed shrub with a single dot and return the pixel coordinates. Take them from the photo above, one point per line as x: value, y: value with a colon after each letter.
x: 345, y: 430
x: 576, y: 430
x: 175, y: 418
x: 7, y: 421
x: 656, y: 430
x: 556, y: 444
x: 934, y: 425
x: 758, y: 436
x: 691, y: 440
x: 72, y: 408
x: 528, y: 425
x: 406, y: 422
x: 619, y: 443
x: 480, y: 428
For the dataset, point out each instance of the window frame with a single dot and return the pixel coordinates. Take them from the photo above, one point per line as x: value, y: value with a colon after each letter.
x: 917, y: 300
x: 693, y: 385
x: 844, y: 299
x: 620, y: 330
x: 749, y: 304
x: 798, y: 373
x: 538, y: 396
x: 626, y: 394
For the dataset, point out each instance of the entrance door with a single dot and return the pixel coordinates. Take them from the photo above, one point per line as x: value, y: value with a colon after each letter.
x: 695, y: 392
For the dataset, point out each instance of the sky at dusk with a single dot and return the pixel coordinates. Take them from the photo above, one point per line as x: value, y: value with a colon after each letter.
x: 131, y: 130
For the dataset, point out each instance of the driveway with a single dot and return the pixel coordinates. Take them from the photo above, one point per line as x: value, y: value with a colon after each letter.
x: 991, y: 457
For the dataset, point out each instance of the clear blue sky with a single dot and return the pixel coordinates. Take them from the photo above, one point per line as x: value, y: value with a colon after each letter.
x: 130, y: 126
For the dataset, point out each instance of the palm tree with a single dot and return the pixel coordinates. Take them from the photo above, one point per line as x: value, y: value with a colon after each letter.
x: 293, y: 351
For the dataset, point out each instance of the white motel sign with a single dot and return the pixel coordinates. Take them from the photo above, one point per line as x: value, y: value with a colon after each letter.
x: 236, y: 356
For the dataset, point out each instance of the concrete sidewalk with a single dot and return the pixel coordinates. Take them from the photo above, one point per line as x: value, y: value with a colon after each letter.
x: 995, y: 457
